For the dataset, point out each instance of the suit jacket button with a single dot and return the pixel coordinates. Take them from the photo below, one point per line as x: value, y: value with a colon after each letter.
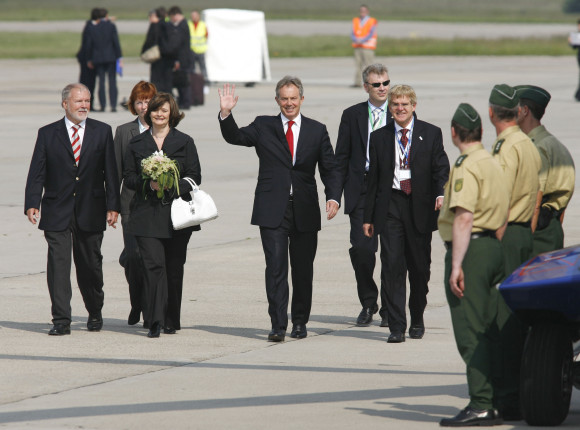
x: 77, y: 178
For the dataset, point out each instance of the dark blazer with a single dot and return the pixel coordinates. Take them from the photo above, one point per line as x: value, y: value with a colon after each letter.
x: 83, y: 55
x: 177, y: 43
x: 103, y: 43
x: 351, y: 151
x: 276, y: 173
x: 89, y: 190
x: 123, y: 135
x: 151, y: 216
x: 429, y: 173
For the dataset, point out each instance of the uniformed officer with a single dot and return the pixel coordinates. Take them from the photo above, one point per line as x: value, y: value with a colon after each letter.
x: 474, y: 207
x: 557, y: 175
x: 521, y: 164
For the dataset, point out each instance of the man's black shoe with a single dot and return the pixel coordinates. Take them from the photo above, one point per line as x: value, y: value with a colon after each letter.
x: 298, y: 331
x: 169, y: 330
x: 134, y: 317
x: 277, y: 336
x: 366, y: 316
x: 473, y: 417
x: 59, y: 330
x: 416, y: 332
x: 95, y: 322
x: 396, y: 338
x: 384, y: 322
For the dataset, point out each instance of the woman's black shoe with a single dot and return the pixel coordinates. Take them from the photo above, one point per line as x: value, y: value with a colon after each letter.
x: 155, y: 330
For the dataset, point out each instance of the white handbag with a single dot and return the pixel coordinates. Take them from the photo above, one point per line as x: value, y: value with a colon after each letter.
x: 200, y: 209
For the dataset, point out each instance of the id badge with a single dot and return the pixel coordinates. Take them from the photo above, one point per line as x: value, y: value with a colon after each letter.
x: 404, y: 174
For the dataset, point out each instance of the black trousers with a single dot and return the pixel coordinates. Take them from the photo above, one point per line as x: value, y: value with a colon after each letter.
x: 110, y: 71
x: 404, y: 249
x: 130, y: 259
x: 363, y: 259
x: 88, y: 77
x: 86, y: 250
x: 163, y: 260
x: 277, y: 243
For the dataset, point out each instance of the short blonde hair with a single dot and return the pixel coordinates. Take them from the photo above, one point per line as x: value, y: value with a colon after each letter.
x: 402, y: 90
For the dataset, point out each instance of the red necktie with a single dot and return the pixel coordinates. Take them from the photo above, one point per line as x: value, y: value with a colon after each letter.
x: 76, y: 143
x: 290, y: 139
x: 405, y: 183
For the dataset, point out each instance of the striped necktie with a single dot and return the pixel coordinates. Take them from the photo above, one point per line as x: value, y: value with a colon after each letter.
x: 76, y: 143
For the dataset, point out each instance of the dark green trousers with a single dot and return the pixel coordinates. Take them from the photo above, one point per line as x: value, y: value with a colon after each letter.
x: 548, y: 239
x: 474, y: 315
x: 517, y: 245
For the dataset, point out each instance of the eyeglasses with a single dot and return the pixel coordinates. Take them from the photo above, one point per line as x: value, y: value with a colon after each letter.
x: 378, y: 84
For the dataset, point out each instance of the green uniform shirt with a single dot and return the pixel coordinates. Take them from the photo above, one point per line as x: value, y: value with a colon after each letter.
x: 477, y: 184
x: 521, y: 164
x: 557, y: 175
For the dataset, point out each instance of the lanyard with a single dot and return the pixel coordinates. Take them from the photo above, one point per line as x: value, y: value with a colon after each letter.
x: 371, y: 117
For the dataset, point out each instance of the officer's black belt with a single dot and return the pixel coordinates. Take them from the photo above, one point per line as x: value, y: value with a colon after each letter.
x: 521, y: 224
x: 478, y: 235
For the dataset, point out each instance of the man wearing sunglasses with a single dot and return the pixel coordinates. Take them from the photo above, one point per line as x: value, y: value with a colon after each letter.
x: 352, y: 155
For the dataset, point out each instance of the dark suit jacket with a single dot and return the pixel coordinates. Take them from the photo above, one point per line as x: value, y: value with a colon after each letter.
x: 276, y: 172
x: 103, y: 43
x: 429, y: 173
x: 123, y: 136
x: 89, y: 190
x: 151, y: 216
x: 351, y: 151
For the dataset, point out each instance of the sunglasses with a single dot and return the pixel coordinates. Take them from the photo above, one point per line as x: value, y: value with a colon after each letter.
x: 378, y: 84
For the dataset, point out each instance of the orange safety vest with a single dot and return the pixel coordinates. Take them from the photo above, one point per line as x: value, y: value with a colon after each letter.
x: 363, y: 31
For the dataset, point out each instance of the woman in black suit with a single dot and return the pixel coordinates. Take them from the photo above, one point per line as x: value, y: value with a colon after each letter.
x: 162, y: 69
x: 163, y: 249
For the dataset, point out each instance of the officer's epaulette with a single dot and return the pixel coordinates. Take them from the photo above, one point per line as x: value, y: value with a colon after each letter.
x: 460, y: 160
x: 498, y: 146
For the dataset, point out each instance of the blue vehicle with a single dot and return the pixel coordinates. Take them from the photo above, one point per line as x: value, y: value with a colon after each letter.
x: 545, y: 293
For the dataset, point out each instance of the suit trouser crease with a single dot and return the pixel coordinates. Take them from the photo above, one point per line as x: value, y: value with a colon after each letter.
x: 404, y: 249
x: 277, y: 243
x: 86, y: 249
x: 474, y: 316
x: 363, y: 258
x: 130, y: 260
x: 164, y: 261
x: 110, y: 71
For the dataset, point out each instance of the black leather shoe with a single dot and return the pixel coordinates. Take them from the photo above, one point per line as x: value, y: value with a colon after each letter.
x: 416, y: 332
x: 59, y: 330
x: 134, y: 317
x: 277, y: 336
x: 384, y: 322
x: 169, y: 330
x: 299, y: 331
x: 95, y: 322
x: 155, y: 330
x: 473, y: 417
x: 396, y: 338
x: 366, y: 316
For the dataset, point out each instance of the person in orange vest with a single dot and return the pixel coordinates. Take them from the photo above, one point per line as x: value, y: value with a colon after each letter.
x: 199, y: 34
x: 364, y: 42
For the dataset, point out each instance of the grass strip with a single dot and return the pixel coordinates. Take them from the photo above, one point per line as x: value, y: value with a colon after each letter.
x: 66, y: 45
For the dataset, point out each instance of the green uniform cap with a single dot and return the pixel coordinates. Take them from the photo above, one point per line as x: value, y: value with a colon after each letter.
x: 467, y: 117
x: 535, y: 94
x: 504, y: 95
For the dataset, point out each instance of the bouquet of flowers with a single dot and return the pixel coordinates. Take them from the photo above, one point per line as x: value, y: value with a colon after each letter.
x: 162, y: 169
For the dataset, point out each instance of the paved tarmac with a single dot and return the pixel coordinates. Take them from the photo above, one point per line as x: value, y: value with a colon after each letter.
x: 219, y: 371
x: 391, y: 29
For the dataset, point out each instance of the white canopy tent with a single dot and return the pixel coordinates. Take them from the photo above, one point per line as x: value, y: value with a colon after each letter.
x: 237, y: 46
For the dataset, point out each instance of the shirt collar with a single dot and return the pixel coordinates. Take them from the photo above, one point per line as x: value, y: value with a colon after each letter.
x: 142, y: 127
x: 68, y: 123
x: 373, y: 107
x: 297, y: 120
x: 398, y: 128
